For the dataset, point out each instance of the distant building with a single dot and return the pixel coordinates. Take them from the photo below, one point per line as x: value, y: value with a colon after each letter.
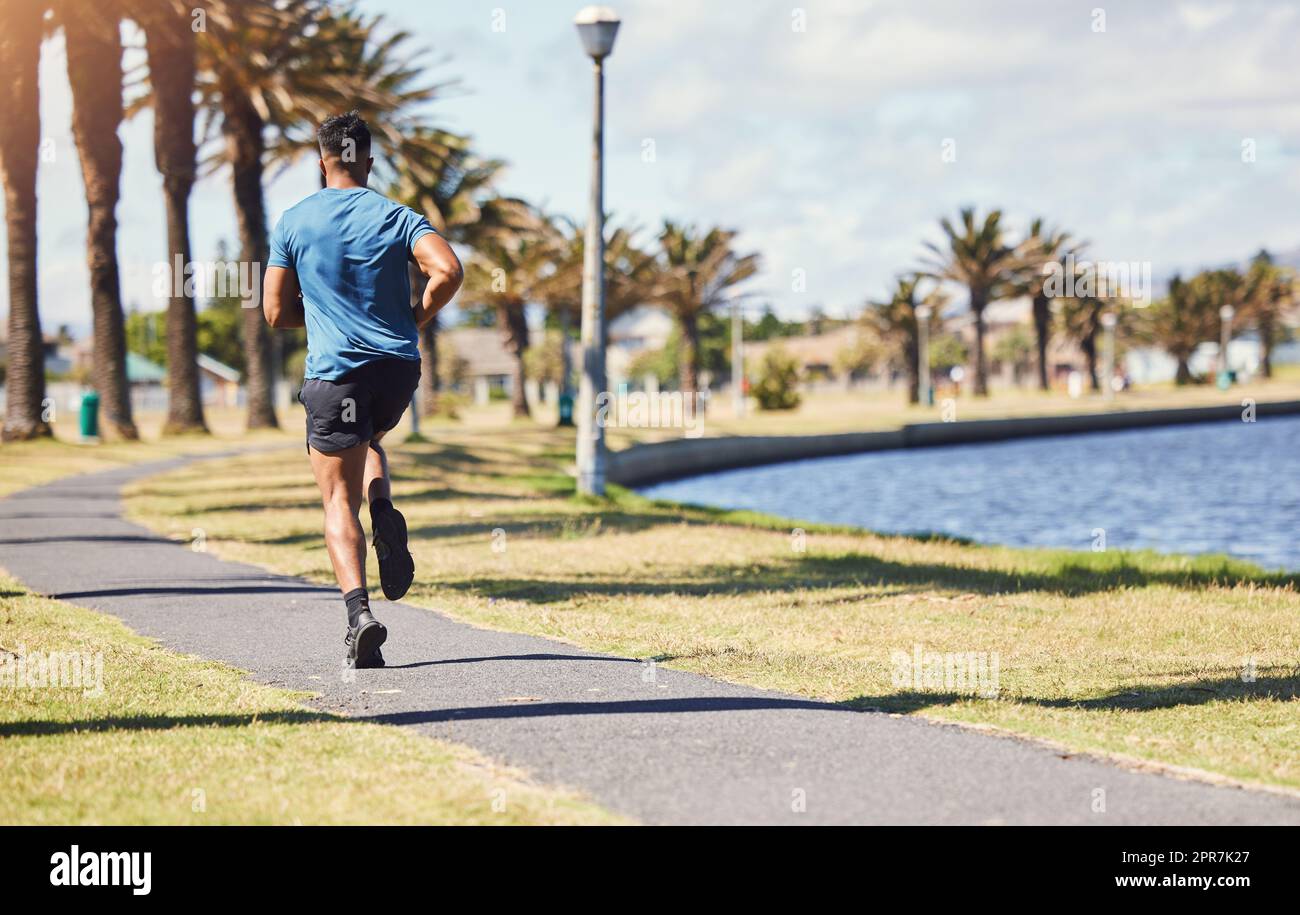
x: 489, y: 366
x: 817, y: 354
x: 643, y: 329
x: 218, y: 383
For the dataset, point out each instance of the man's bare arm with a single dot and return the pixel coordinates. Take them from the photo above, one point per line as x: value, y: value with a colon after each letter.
x: 439, y: 263
x: 281, y: 298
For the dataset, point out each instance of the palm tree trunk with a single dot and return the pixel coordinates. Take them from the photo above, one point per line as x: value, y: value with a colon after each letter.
x: 20, y: 51
x: 690, y: 354
x: 1089, y: 346
x: 1043, y: 332
x: 1266, y: 341
x: 913, y: 364
x: 977, y: 303
x: 95, y: 74
x: 514, y: 325
x: 169, y: 44
x: 242, y: 126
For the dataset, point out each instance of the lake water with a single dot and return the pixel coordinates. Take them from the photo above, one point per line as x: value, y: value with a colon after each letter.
x: 1229, y: 487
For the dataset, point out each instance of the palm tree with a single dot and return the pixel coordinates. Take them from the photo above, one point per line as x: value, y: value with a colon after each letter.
x: 1181, y: 321
x: 170, y: 47
x: 1081, y: 317
x: 699, y: 273
x: 440, y: 176
x: 94, y: 51
x: 1039, y: 252
x: 20, y: 52
x: 370, y: 71
x: 1270, y: 294
x: 975, y: 256
x: 894, y: 320
x: 309, y: 60
x: 506, y: 273
x: 633, y: 277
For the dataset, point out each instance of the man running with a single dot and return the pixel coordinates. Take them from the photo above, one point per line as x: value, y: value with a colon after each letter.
x: 338, y: 266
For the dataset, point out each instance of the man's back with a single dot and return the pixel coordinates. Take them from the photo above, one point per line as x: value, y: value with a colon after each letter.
x: 349, y: 248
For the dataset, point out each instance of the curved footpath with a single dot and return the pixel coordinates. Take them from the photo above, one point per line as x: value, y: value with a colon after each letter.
x: 661, y: 745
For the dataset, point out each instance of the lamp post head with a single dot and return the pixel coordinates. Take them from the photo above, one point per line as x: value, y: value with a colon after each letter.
x: 923, y: 312
x: 597, y: 26
x: 1226, y: 312
x: 1109, y: 320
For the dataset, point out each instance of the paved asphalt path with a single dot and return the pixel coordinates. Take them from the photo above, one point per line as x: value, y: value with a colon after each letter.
x: 660, y: 745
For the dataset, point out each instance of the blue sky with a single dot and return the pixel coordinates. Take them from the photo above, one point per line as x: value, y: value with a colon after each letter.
x: 823, y: 146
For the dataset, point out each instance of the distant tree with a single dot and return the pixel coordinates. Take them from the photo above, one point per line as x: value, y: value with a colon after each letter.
x: 947, y: 351
x: 1016, y: 349
x: 975, y: 255
x: 146, y: 334
x: 1042, y: 250
x: 701, y: 270
x: 894, y: 321
x: 544, y: 360
x: 1178, y: 323
x: 221, y: 322
x: 769, y: 326
x: 1271, y: 294
x: 505, y: 275
x: 859, y: 358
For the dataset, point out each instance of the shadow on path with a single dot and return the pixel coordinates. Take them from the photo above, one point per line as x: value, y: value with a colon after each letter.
x: 618, y: 707
x: 1143, y: 698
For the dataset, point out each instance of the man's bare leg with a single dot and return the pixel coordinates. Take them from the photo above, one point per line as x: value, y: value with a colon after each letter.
x: 339, y: 475
x: 376, y: 483
x: 396, y: 568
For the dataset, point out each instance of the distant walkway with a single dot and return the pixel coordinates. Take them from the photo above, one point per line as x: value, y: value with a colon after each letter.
x: 663, y: 746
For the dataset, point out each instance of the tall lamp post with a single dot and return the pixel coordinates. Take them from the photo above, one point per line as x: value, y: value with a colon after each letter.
x: 1108, y: 322
x: 737, y: 359
x: 923, y: 313
x: 597, y: 26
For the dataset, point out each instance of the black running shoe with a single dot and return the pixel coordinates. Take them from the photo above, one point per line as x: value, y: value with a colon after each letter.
x: 363, y: 642
x: 396, y: 567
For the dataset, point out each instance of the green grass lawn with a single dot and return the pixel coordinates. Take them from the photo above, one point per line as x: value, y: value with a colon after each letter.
x: 1179, y: 661
x: 177, y: 740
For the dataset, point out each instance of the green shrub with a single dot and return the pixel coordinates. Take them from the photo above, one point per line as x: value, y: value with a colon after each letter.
x: 778, y: 380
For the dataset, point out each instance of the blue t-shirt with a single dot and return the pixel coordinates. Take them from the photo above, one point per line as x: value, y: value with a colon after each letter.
x: 349, y: 247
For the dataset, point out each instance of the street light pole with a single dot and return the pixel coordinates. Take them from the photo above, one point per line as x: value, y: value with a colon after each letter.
x: 597, y: 27
x: 923, y: 355
x: 737, y: 360
x: 1108, y: 321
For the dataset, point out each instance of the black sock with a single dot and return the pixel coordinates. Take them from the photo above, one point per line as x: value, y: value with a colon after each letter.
x: 357, y: 601
x: 379, y: 505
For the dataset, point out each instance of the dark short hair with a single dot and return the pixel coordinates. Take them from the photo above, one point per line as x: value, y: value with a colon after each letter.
x: 335, y: 133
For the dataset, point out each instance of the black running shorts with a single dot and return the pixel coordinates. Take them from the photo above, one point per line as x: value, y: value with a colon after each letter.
x: 362, y: 404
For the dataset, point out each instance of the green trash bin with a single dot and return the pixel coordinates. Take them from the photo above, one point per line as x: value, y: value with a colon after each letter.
x: 90, y: 415
x: 566, y: 410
